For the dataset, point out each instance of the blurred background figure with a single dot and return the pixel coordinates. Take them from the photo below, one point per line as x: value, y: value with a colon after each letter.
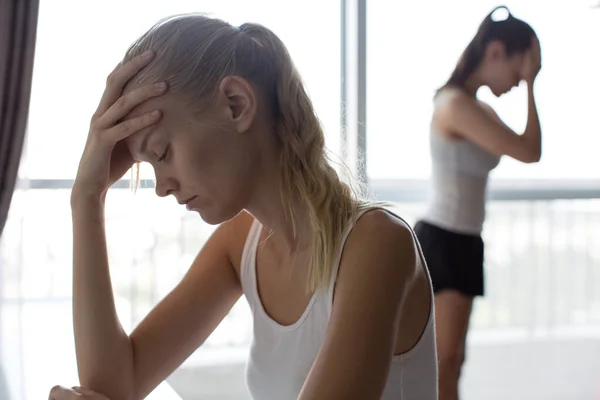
x: 467, y: 140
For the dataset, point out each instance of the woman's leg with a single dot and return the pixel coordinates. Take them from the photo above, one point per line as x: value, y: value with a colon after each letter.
x: 452, y: 313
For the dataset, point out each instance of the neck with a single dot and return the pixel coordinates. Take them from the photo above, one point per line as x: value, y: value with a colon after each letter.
x: 266, y: 205
x: 473, y: 83
x: 289, y: 238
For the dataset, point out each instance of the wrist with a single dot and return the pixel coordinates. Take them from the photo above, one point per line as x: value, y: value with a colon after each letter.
x: 84, y: 199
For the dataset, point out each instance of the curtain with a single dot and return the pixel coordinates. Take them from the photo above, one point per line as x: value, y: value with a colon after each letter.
x: 18, y: 26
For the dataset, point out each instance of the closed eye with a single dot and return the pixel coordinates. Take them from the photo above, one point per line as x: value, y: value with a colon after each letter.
x: 163, y: 156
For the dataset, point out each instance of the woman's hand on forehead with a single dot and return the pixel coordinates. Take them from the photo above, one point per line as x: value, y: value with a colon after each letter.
x: 118, y: 117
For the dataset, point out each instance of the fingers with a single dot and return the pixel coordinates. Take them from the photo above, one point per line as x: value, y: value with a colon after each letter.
x: 88, y: 392
x: 110, y: 123
x: 124, y: 104
x: 131, y: 126
x: 83, y: 390
x: 76, y: 393
x: 61, y: 393
x: 538, y: 49
x: 119, y: 77
x: 535, y: 45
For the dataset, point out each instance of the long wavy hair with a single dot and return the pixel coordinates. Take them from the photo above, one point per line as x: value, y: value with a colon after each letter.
x: 195, y: 52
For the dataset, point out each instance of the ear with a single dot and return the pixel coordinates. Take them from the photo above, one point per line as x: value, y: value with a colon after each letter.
x: 496, y: 50
x: 241, y: 101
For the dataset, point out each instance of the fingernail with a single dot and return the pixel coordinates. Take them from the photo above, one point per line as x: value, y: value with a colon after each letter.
x: 155, y: 113
x: 160, y: 85
x: 147, y: 54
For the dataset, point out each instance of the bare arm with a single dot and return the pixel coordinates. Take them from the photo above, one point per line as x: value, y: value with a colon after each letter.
x: 104, y: 352
x: 190, y: 313
x: 461, y: 114
x: 355, y: 358
x: 123, y: 367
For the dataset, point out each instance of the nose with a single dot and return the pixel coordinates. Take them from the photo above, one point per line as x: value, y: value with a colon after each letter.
x: 165, y: 186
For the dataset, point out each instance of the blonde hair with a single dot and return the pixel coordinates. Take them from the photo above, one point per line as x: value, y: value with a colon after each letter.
x: 195, y: 52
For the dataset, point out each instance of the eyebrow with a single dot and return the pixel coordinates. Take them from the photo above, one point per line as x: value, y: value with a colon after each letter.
x: 144, y: 145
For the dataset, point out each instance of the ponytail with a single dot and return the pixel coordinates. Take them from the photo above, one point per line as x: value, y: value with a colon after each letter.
x: 514, y: 33
x: 306, y: 175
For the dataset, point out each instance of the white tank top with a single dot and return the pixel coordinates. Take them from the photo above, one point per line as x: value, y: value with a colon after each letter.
x: 458, y: 190
x: 281, y: 356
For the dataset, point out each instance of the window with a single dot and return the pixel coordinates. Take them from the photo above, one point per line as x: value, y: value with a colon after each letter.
x: 412, y: 49
x: 80, y: 43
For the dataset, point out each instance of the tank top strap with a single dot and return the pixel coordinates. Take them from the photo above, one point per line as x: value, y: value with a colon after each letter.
x: 248, y: 264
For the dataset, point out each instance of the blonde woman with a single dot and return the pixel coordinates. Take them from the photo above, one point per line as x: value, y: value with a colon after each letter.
x: 341, y: 300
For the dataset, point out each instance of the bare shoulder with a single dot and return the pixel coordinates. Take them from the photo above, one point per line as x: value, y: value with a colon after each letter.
x: 449, y: 104
x: 453, y: 103
x: 450, y: 99
x: 381, y: 220
x: 375, y: 272
x: 382, y: 241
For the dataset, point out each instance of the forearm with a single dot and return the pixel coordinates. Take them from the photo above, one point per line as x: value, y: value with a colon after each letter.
x: 533, y: 130
x: 104, y: 351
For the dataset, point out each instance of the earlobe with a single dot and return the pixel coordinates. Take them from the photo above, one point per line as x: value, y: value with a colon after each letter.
x: 241, y: 101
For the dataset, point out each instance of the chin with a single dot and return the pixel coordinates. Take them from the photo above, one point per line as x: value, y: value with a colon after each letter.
x: 500, y: 93
x: 216, y: 216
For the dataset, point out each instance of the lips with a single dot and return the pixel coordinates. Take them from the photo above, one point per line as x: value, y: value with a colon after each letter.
x: 187, y: 202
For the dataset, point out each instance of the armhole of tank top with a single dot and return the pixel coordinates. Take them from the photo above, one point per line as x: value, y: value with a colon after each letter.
x: 421, y: 256
x: 407, y: 354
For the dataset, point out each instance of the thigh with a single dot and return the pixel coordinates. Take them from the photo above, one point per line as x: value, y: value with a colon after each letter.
x: 452, y: 314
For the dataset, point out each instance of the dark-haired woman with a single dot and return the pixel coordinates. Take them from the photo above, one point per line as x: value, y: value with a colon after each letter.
x: 467, y: 140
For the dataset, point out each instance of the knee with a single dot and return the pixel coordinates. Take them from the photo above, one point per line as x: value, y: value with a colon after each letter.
x: 450, y: 363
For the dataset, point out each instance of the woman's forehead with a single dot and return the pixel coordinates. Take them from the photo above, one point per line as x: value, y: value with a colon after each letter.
x: 138, y: 142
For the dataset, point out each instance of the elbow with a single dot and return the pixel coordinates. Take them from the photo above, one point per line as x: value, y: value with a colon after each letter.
x: 534, y: 157
x: 530, y: 159
x: 529, y: 156
x: 110, y: 371
x: 117, y: 386
x: 112, y: 391
x: 529, y: 151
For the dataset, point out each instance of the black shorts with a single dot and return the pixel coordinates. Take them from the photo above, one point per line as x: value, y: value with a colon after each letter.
x: 454, y: 260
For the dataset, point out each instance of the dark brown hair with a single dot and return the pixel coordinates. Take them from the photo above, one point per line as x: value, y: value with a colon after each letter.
x: 515, y: 34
